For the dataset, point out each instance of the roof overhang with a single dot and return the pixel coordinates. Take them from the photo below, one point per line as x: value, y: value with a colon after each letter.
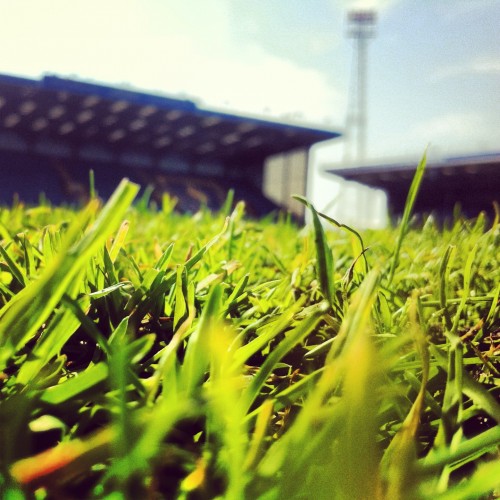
x: 81, y: 113
x: 479, y: 168
x: 473, y: 181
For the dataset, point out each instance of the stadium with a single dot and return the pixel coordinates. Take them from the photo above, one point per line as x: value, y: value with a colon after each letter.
x: 54, y: 130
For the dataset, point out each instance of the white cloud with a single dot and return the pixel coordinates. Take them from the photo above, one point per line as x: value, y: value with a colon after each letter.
x: 457, y: 132
x: 171, y: 48
x: 452, y: 10
x: 258, y: 80
x: 378, y: 5
x: 479, y: 66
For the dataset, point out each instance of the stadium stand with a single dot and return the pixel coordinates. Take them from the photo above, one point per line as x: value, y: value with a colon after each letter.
x: 53, y: 130
x: 470, y: 183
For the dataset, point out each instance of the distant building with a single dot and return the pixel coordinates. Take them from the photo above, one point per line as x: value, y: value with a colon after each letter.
x: 53, y: 130
x: 470, y: 182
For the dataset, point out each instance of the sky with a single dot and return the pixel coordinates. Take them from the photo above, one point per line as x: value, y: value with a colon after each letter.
x: 433, y: 66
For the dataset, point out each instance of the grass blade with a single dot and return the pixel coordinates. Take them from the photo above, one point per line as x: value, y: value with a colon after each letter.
x: 405, y: 222
x: 23, y: 315
x: 323, y: 254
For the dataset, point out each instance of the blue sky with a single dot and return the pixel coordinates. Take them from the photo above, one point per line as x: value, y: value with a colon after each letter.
x: 433, y: 74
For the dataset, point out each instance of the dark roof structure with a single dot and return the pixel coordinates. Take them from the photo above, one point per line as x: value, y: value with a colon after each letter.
x: 471, y: 181
x: 116, y: 118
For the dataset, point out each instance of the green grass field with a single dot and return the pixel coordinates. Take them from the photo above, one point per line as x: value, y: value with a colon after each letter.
x: 146, y: 354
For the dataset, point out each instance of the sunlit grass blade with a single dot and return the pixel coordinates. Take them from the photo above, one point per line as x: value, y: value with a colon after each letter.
x: 470, y: 448
x: 266, y: 334
x: 60, y: 464
x: 483, y: 483
x: 444, y: 273
x: 228, y: 203
x: 329, y: 443
x: 17, y: 272
x: 150, y: 429
x: 181, y: 300
x: 293, y: 337
x: 405, y: 221
x: 21, y: 317
x: 450, y: 430
x: 466, y: 289
x: 119, y: 240
x: 323, y: 254
x: 62, y: 326
x: 197, y: 357
x: 257, y: 446
x: 92, y: 380
x: 225, y: 415
x: 92, y: 190
x: 471, y: 388
x: 399, y: 462
x: 359, y: 248
x: 164, y: 260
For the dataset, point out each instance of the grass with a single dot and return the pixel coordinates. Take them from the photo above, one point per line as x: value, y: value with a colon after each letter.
x: 146, y: 354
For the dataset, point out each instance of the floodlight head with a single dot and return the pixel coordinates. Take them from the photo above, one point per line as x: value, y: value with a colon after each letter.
x: 361, y: 23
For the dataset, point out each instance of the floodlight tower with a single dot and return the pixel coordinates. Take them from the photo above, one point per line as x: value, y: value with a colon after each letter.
x: 361, y: 27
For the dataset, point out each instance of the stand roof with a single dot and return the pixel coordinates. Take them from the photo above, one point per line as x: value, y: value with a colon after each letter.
x: 78, y: 113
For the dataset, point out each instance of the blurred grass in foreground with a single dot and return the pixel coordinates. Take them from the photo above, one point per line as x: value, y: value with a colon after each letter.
x: 146, y: 354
